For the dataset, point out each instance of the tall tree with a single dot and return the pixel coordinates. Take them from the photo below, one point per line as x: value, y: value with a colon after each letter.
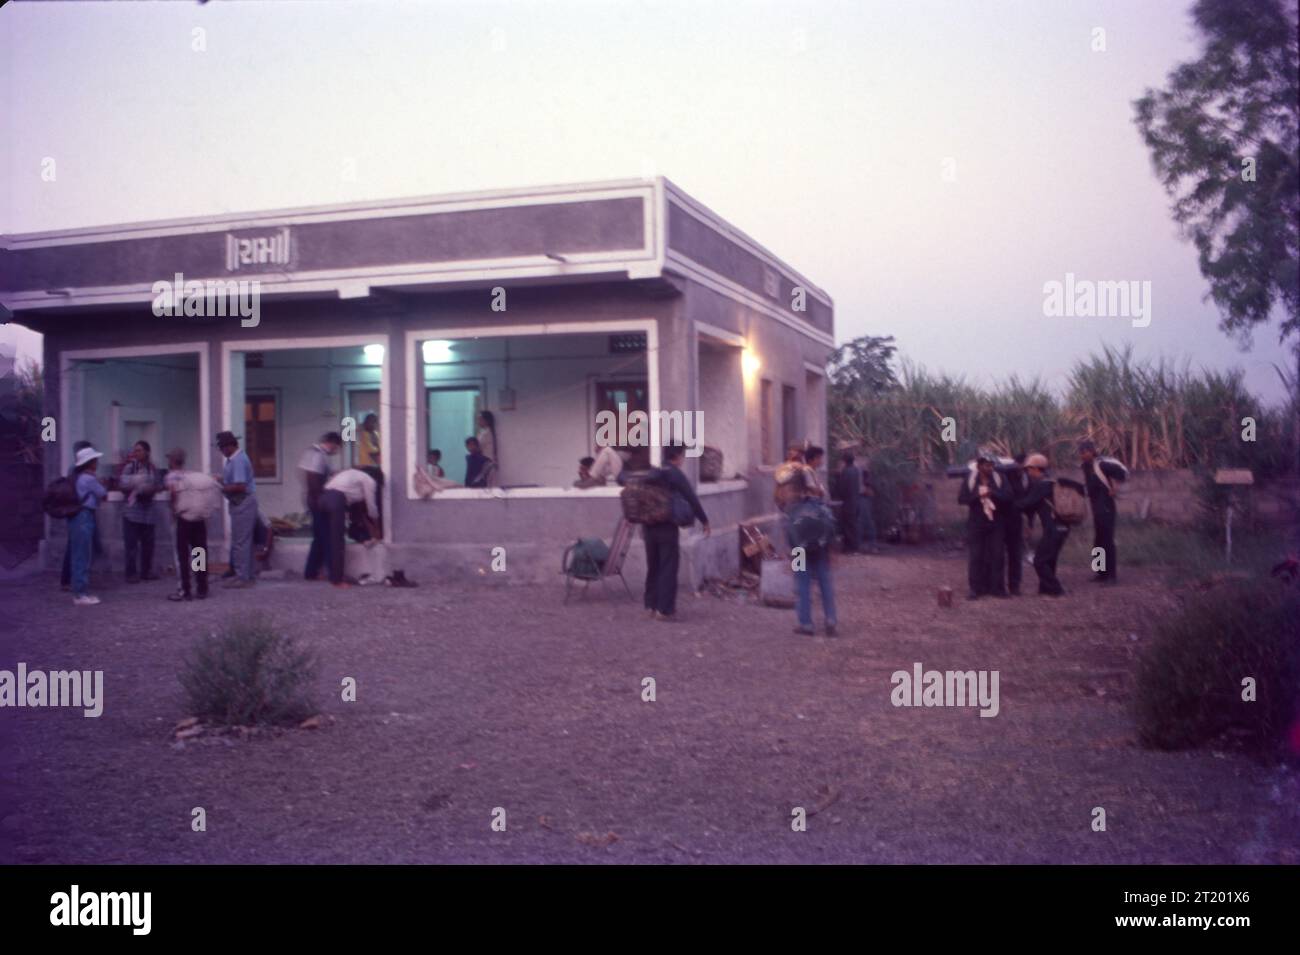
x: 1223, y: 141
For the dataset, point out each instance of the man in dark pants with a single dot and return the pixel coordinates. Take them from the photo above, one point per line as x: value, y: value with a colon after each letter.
x: 1013, y: 528
x: 848, y: 491
x: 984, y: 493
x: 191, y: 528
x: 344, y: 490
x: 315, y: 470
x: 1099, y: 477
x: 662, y: 541
x: 1037, y: 499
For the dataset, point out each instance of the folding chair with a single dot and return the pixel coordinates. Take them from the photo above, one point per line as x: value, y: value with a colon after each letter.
x: 613, y: 566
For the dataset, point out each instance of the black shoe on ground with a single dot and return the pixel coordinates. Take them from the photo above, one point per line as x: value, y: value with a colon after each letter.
x: 830, y: 630
x: 805, y: 631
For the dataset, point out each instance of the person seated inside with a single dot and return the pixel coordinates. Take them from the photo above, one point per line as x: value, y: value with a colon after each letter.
x: 478, y: 466
x: 433, y: 464
x: 584, y: 473
x: 609, y: 463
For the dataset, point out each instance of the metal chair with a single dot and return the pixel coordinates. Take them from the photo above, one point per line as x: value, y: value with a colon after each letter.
x: 613, y: 565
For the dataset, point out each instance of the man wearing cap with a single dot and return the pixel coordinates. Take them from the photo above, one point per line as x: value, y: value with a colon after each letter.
x: 1099, y: 477
x: 986, y: 495
x: 238, y: 485
x: 1037, y: 500
x: 81, y: 526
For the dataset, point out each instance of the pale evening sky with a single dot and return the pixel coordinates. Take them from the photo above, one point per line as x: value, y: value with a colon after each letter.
x: 820, y: 128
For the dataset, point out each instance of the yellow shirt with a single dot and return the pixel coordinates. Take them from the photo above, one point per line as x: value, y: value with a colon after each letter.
x: 368, y: 449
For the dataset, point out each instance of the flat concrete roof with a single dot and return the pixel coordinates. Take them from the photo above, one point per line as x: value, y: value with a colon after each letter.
x: 597, y: 231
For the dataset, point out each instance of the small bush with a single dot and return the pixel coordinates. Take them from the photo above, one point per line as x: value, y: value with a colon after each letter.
x: 249, y: 673
x: 1189, y: 684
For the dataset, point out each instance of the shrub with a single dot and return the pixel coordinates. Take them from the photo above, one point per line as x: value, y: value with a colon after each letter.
x: 1189, y: 684
x: 249, y: 673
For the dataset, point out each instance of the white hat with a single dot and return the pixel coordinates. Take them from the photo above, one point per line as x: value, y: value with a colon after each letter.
x: 87, y: 454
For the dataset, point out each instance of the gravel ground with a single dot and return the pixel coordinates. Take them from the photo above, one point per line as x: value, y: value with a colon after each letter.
x: 472, y: 697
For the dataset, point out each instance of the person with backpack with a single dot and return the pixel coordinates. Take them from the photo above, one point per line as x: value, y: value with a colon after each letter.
x: 986, y: 495
x: 194, y: 498
x: 811, y: 529
x: 663, y: 538
x: 1038, y: 499
x: 96, y: 548
x: 1099, y: 477
x: 81, y: 526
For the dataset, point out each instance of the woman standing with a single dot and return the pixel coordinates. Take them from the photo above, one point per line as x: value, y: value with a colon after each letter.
x: 487, y: 443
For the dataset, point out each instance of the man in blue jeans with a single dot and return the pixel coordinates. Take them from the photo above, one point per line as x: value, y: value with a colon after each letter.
x: 96, y: 549
x: 241, y: 494
x: 81, y: 526
x: 816, y: 557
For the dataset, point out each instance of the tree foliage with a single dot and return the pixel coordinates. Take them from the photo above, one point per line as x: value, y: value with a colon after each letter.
x: 1223, y: 141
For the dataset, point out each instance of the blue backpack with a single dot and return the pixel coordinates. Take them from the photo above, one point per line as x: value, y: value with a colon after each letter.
x: 810, y: 525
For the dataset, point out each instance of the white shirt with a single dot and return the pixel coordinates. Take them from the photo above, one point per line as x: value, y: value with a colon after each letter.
x: 608, y: 464
x: 356, y: 486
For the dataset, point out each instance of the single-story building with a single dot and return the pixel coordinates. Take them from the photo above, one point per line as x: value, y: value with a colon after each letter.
x: 545, y: 306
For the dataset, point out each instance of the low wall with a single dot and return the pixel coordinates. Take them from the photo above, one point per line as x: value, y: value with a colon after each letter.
x: 457, y: 538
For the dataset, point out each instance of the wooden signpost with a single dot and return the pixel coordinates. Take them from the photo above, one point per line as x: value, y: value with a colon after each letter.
x: 1231, y: 477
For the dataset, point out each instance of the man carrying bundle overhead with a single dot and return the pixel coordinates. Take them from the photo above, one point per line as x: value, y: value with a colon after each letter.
x: 1101, y: 476
x: 986, y: 495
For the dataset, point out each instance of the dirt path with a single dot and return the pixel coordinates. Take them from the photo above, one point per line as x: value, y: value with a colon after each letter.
x: 471, y: 698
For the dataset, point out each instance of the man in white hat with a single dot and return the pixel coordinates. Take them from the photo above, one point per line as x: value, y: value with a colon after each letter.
x: 81, y: 526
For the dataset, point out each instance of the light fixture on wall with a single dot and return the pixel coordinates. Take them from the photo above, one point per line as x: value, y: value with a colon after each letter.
x: 749, y: 363
x: 436, y: 351
x: 374, y: 354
